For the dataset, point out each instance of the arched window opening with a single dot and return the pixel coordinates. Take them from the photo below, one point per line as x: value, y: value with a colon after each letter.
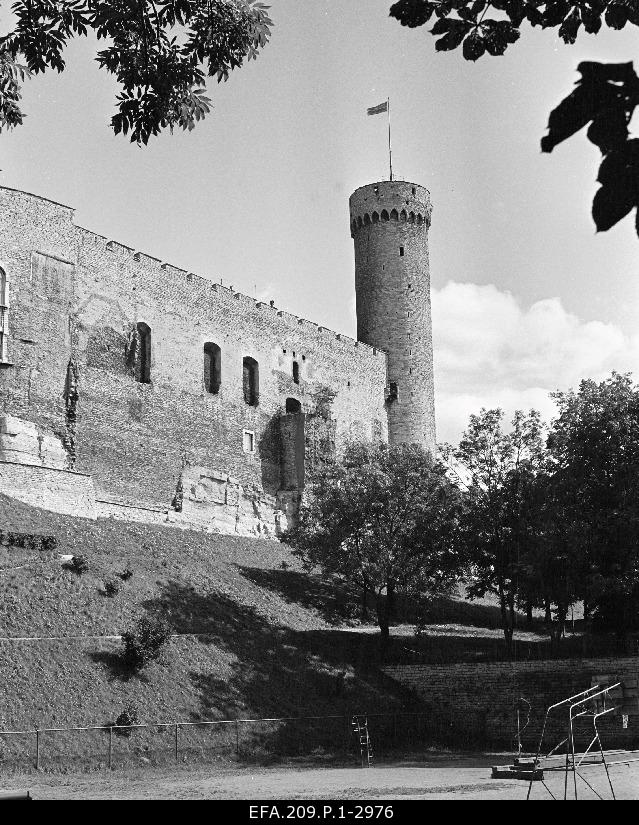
x: 143, y: 354
x: 4, y: 314
x: 411, y: 217
x: 296, y: 372
x: 359, y: 222
x: 420, y: 220
x: 367, y: 219
x: 393, y: 215
x: 212, y: 368
x: 251, y: 381
x: 375, y: 217
x: 384, y: 215
x: 293, y: 405
x: 403, y: 216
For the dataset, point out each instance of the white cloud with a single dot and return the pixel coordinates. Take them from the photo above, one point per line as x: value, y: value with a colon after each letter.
x: 492, y: 352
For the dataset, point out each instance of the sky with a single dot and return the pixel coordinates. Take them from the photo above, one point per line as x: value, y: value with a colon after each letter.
x: 527, y: 299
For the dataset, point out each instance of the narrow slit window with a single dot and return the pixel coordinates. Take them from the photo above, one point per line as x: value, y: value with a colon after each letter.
x: 296, y: 372
x: 249, y: 441
x: 143, y: 354
x: 401, y: 251
x: 212, y: 368
x: 251, y: 381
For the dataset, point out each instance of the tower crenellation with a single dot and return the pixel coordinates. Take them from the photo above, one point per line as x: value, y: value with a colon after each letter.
x: 389, y: 225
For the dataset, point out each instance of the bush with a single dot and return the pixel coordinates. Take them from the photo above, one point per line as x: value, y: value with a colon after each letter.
x: 29, y: 541
x: 144, y: 642
x: 129, y: 716
x: 79, y: 564
x: 111, y: 588
x: 126, y: 574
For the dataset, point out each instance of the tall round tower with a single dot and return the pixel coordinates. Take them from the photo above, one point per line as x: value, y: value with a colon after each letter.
x: 389, y: 225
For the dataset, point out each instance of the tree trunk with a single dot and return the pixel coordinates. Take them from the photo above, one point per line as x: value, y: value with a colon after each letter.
x: 548, y: 616
x: 529, y: 613
x: 364, y: 603
x: 381, y: 603
x: 506, y: 623
x: 391, y: 601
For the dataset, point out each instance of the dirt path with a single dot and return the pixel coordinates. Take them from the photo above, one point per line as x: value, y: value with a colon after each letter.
x: 454, y: 779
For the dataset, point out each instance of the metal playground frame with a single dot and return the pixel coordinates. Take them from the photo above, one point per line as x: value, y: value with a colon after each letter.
x: 592, y: 703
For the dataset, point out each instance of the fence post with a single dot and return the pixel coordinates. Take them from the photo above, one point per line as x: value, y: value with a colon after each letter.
x: 347, y: 734
x: 237, y: 738
x: 176, y: 743
x: 37, y: 733
x: 110, y: 748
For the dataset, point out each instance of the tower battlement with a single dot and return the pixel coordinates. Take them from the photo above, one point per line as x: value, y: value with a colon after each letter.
x: 387, y: 201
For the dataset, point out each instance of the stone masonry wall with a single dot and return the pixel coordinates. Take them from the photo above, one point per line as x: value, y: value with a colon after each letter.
x: 76, y: 299
x: 60, y: 491
x: 389, y: 225
x: 468, y: 691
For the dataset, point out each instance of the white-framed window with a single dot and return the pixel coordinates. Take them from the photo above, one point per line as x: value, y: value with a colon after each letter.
x: 249, y: 441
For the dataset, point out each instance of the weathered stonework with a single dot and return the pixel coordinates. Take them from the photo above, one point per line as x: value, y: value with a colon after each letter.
x: 105, y: 364
x: 389, y: 226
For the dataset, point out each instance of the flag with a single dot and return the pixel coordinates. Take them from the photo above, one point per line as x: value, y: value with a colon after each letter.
x: 377, y: 110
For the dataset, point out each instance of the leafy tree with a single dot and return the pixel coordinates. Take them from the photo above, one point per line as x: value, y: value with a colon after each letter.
x: 144, y: 642
x: 383, y: 518
x: 604, y: 99
x: 500, y: 520
x: 160, y: 52
x: 595, y: 444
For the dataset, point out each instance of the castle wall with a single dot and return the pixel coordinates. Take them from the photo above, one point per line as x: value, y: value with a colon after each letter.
x: 60, y: 491
x: 76, y: 299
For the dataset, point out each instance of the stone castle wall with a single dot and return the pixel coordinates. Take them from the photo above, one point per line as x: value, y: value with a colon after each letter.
x: 75, y: 301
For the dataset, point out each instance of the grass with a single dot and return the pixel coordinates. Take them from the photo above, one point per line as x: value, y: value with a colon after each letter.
x: 274, y: 640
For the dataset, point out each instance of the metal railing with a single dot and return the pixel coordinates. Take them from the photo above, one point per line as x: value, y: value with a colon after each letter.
x: 249, y: 739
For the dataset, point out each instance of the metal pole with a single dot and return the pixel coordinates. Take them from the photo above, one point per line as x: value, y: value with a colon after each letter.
x: 37, y: 733
x: 237, y: 738
x: 110, y: 749
x: 390, y: 151
x: 176, y: 743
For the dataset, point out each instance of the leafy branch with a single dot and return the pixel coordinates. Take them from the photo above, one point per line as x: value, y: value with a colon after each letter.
x: 160, y: 51
x: 464, y: 22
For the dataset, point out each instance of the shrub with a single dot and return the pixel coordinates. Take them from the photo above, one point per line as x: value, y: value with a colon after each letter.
x: 79, y: 564
x: 111, y: 588
x: 129, y: 716
x: 144, y: 642
x: 29, y: 541
x: 126, y: 574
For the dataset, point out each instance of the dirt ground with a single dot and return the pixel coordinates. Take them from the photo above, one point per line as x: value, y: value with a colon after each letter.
x: 455, y: 778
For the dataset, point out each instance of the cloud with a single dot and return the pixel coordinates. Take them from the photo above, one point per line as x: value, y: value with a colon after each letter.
x: 492, y: 352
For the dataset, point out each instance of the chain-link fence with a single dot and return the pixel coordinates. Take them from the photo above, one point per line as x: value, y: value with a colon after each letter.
x: 316, y: 738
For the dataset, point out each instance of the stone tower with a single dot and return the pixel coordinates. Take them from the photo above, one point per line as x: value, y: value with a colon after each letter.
x: 389, y: 226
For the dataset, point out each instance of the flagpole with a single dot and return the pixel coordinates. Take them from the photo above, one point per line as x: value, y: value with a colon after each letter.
x: 390, y: 150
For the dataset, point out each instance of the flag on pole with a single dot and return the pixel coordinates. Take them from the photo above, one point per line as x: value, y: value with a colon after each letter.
x: 377, y: 110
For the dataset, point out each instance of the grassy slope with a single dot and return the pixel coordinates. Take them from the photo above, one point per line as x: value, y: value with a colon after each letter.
x: 277, y: 635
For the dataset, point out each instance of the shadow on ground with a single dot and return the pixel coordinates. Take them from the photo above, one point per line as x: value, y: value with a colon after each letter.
x: 336, y: 603
x: 280, y: 672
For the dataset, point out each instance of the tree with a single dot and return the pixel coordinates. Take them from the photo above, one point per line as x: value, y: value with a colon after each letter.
x: 604, y: 99
x: 500, y: 522
x: 594, y: 443
x: 382, y: 518
x: 160, y: 52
